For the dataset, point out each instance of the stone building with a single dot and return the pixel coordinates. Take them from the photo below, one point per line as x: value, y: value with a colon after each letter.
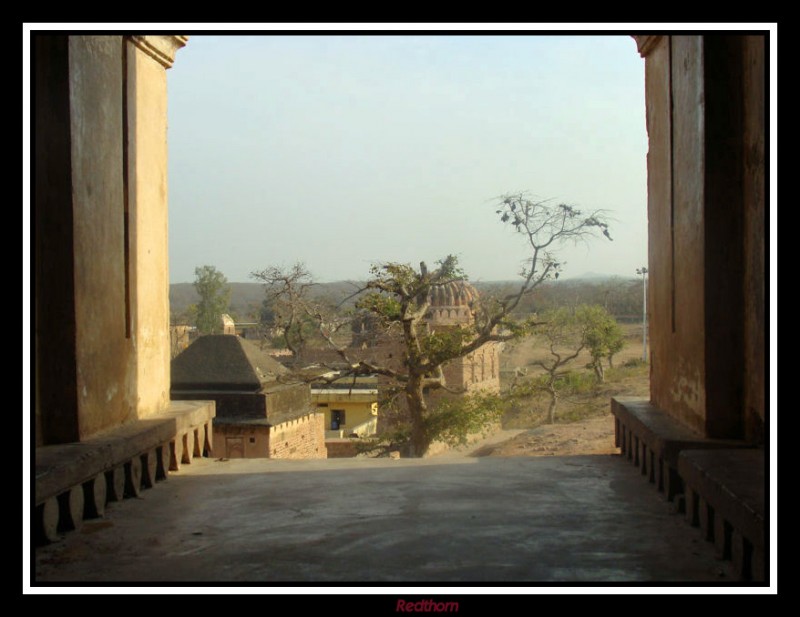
x: 105, y: 427
x: 350, y: 406
x: 103, y: 422
x: 228, y: 325
x: 450, y: 307
x: 701, y: 438
x: 258, y: 414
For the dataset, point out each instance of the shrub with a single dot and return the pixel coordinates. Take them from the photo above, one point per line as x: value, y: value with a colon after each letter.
x: 634, y: 363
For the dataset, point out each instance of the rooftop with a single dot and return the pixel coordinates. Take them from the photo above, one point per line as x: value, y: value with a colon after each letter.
x: 224, y: 362
x: 582, y: 519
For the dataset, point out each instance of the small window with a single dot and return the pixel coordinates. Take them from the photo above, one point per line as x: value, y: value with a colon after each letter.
x: 252, y: 440
x: 337, y: 419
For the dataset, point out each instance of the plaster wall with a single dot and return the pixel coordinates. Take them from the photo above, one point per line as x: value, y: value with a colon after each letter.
x: 705, y: 118
x: 675, y: 210
x: 147, y: 203
x: 356, y: 411
x: 105, y: 368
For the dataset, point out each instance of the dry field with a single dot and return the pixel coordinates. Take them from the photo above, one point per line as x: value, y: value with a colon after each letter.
x: 583, y: 423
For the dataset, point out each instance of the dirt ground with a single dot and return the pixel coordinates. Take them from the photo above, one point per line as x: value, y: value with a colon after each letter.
x: 590, y: 436
x: 584, y: 423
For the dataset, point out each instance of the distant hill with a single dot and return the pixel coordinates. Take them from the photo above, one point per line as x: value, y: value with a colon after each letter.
x: 246, y: 298
x: 595, y: 277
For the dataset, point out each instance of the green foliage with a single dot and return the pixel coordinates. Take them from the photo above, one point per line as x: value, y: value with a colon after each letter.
x: 564, y: 383
x: 634, y: 363
x: 575, y: 382
x: 630, y: 369
x: 443, y: 345
x: 602, y: 335
x: 266, y: 313
x: 562, y: 330
x: 387, y: 307
x: 186, y: 317
x: 215, y: 296
x: 397, y: 437
x: 394, y: 284
x: 453, y: 420
x: 301, y: 331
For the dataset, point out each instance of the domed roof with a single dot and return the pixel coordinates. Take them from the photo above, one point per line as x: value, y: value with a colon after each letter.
x: 454, y: 293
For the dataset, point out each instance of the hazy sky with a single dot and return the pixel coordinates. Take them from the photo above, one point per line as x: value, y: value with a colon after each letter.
x: 342, y: 151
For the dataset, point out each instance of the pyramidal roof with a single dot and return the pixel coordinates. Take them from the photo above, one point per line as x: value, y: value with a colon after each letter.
x: 224, y: 362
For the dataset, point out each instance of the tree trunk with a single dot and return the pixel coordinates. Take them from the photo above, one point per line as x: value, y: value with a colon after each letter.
x: 551, y: 410
x: 415, y: 399
x: 598, y: 370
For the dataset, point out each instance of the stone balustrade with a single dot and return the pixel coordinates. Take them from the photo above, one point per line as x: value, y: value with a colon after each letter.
x: 75, y: 481
x: 718, y: 484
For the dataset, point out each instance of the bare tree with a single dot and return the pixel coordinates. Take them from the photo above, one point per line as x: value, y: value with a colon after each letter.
x: 288, y: 307
x: 564, y: 334
x: 398, y: 296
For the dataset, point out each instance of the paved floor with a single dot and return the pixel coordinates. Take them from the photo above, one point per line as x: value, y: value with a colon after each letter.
x: 573, y: 519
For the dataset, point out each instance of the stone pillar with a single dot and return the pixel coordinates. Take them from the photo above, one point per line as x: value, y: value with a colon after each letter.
x: 754, y: 234
x: 101, y: 310
x: 85, y: 372
x: 147, y: 59
x: 696, y: 99
x: 56, y: 412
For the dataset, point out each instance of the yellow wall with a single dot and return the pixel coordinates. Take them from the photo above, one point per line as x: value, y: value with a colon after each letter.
x: 358, y: 409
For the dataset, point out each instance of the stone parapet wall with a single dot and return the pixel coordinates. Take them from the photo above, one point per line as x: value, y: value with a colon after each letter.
x: 717, y: 484
x: 341, y: 448
x: 301, y: 438
x: 78, y: 480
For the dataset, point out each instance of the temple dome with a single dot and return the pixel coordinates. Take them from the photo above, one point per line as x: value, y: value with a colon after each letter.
x: 450, y: 303
x: 454, y: 293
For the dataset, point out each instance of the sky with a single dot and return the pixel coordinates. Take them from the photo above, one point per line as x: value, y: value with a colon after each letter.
x: 343, y: 151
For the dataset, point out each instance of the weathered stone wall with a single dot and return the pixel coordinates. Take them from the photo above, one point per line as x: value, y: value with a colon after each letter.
x: 301, y: 438
x: 675, y: 199
x: 241, y: 440
x: 705, y: 206
x: 341, y: 448
x: 754, y: 235
x: 147, y: 205
x: 102, y: 340
x: 106, y: 381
